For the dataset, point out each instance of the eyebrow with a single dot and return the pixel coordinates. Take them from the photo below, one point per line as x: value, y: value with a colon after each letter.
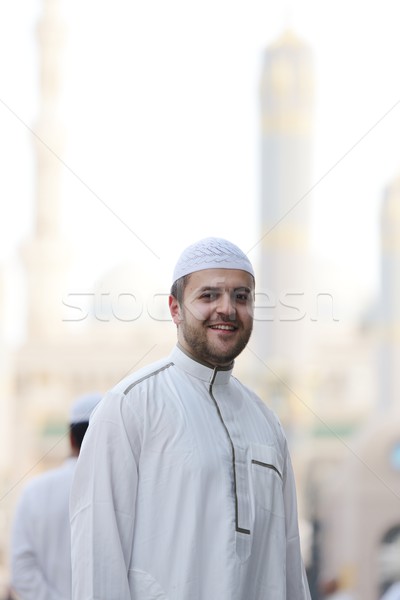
x: 210, y: 288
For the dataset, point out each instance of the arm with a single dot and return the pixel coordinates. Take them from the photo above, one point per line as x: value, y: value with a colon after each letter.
x: 102, y: 505
x: 27, y: 578
x: 296, y: 580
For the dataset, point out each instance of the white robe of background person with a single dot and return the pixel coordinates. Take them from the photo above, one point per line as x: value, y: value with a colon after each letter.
x: 40, y: 543
x: 184, y: 491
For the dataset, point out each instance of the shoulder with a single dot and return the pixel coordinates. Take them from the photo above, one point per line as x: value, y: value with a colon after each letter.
x: 146, y: 373
x: 127, y: 400
x: 40, y: 485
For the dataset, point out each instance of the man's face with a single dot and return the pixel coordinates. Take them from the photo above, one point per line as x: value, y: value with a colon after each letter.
x: 216, y: 318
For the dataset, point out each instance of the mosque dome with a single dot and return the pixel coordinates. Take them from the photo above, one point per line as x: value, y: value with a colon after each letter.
x: 127, y: 293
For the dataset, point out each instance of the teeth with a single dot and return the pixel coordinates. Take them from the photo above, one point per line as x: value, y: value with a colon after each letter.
x: 224, y: 327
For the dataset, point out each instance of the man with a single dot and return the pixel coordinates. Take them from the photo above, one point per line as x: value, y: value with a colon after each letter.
x: 40, y: 545
x: 184, y: 488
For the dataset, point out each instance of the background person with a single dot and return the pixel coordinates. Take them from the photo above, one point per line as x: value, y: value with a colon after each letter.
x: 184, y: 487
x: 40, y: 543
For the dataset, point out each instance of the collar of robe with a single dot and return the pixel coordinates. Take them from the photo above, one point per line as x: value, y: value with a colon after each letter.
x: 216, y: 375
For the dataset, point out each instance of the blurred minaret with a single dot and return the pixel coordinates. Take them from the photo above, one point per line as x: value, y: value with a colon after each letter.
x: 283, y: 278
x: 40, y: 388
x: 45, y: 256
x: 390, y: 299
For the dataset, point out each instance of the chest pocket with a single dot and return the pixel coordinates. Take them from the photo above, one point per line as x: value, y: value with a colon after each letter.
x: 267, y: 479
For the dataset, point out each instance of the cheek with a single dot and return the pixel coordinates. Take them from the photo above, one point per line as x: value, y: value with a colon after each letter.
x: 197, y: 312
x: 246, y: 313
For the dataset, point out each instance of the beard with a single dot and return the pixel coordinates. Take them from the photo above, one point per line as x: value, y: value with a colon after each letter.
x: 215, y: 353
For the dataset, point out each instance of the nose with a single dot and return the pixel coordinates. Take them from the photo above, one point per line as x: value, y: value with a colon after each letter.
x: 226, y: 307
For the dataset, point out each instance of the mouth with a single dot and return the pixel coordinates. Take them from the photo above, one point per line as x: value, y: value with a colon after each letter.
x: 223, y: 327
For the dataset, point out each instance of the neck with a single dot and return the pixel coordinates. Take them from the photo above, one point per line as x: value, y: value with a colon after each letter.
x: 204, y: 363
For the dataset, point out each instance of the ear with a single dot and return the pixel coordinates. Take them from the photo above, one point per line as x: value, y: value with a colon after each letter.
x: 175, y: 310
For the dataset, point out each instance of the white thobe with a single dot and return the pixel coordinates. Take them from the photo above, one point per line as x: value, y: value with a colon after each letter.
x: 40, y: 543
x: 184, y: 491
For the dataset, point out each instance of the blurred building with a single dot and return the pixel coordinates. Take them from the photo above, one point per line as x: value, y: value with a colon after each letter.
x: 283, y: 278
x: 57, y: 362
x: 335, y: 388
x: 361, y: 502
x: 60, y: 359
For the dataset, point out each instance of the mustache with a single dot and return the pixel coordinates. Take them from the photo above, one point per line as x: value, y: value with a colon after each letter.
x: 222, y: 319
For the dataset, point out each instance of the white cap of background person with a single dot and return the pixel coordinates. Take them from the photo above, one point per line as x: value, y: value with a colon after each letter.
x: 83, y: 407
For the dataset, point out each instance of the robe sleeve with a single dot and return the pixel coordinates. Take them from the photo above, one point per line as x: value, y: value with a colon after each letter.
x: 27, y: 578
x: 102, y: 503
x: 296, y: 580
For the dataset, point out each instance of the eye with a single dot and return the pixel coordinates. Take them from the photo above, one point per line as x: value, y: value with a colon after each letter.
x: 210, y: 296
x: 242, y: 296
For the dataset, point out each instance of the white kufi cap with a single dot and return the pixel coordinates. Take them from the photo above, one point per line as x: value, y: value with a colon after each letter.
x: 83, y: 407
x: 211, y: 253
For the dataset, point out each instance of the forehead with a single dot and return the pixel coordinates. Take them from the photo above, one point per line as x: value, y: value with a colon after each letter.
x: 220, y: 278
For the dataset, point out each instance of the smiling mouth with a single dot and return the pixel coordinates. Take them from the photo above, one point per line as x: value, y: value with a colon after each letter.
x: 223, y: 327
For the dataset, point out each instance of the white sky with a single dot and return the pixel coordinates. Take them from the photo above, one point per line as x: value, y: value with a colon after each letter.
x: 160, y: 105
